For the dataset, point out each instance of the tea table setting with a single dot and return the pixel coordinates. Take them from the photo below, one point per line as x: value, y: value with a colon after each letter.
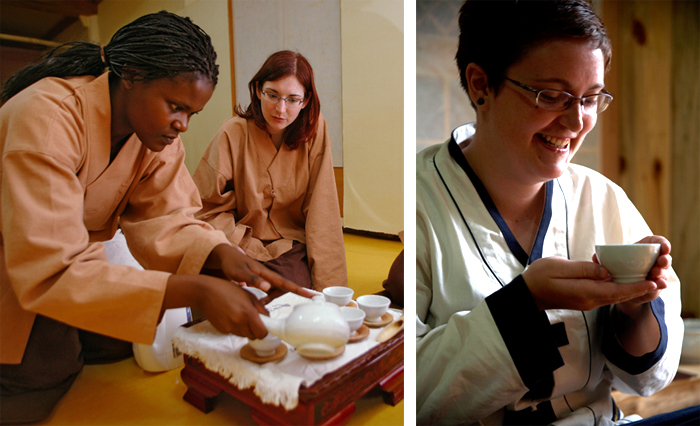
x: 309, y: 345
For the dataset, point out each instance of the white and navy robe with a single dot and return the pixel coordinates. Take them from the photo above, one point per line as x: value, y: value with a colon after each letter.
x: 485, y: 352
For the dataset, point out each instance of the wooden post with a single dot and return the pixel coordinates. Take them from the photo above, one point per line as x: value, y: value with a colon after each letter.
x: 685, y: 131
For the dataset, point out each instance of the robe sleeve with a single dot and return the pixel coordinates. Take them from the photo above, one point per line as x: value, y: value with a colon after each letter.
x: 649, y: 373
x: 53, y: 267
x: 325, y: 246
x: 159, y: 223
x: 480, y: 360
x: 214, y: 179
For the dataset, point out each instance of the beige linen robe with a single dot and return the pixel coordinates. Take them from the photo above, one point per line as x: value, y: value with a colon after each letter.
x: 61, y: 197
x: 264, y: 199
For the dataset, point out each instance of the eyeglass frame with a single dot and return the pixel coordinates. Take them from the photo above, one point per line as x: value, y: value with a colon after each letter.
x: 267, y: 96
x: 571, y: 97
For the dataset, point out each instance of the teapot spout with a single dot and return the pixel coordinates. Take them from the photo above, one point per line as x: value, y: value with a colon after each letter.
x: 274, y: 326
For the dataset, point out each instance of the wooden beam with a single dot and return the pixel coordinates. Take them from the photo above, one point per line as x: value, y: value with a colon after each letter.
x: 685, y: 189
x: 644, y: 78
x: 73, y: 8
x: 609, y: 146
x: 232, y: 58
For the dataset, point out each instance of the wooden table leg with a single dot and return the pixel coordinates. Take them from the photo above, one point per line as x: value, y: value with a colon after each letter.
x: 392, y: 385
x: 200, y: 392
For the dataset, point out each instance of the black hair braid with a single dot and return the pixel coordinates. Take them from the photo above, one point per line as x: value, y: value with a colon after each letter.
x: 161, y: 45
x: 153, y: 46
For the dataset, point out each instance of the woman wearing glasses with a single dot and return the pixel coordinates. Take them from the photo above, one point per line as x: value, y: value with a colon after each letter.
x: 267, y: 180
x: 517, y: 323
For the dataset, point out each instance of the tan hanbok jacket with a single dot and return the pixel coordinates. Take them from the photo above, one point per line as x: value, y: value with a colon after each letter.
x: 61, y: 197
x: 264, y: 199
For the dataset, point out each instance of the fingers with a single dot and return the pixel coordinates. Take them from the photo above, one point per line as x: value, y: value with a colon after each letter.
x: 657, y: 239
x: 284, y: 284
x: 589, y: 270
x: 626, y: 292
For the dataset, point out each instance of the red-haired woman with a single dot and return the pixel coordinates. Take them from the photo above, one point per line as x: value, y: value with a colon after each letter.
x: 267, y: 180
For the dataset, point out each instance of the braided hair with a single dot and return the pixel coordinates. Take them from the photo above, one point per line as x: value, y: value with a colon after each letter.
x: 153, y: 46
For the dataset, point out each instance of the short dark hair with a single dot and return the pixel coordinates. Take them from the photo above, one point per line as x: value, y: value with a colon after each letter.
x: 497, y: 34
x: 153, y: 46
x: 280, y: 65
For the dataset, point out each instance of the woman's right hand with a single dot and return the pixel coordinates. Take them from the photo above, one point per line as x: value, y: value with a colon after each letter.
x: 557, y: 283
x: 228, y: 307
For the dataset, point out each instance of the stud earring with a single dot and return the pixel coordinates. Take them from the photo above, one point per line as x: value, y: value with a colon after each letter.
x: 480, y: 101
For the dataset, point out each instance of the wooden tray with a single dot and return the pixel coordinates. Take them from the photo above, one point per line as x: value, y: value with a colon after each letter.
x: 330, y: 401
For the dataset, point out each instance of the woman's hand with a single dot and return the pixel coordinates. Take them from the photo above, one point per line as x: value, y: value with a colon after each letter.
x: 635, y: 325
x: 239, y: 268
x: 659, y: 274
x: 557, y: 283
x: 228, y: 307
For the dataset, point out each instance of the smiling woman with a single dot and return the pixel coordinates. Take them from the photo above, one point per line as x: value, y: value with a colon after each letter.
x: 90, y: 143
x: 515, y: 317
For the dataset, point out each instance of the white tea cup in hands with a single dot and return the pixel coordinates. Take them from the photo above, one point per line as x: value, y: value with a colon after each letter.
x: 628, y: 263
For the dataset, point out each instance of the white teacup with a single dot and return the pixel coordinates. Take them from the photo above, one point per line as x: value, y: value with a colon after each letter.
x: 259, y: 294
x: 354, y: 317
x: 265, y: 347
x: 340, y: 296
x: 628, y: 263
x: 374, y: 306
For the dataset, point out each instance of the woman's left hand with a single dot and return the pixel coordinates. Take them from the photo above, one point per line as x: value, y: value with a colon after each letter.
x: 659, y: 274
x: 238, y: 267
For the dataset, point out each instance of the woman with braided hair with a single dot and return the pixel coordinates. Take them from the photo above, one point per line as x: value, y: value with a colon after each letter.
x: 90, y: 142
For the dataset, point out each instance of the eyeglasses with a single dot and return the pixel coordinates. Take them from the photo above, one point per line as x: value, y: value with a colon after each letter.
x: 291, y: 102
x: 558, y: 100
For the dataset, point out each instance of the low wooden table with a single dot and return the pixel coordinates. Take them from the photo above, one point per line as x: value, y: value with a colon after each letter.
x: 329, y: 401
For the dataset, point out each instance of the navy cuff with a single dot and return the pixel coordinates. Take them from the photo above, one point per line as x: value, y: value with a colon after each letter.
x: 531, y: 340
x: 617, y: 355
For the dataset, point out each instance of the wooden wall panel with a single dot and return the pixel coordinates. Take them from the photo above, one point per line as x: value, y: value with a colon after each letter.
x: 651, y: 133
x: 644, y: 60
x: 685, y: 131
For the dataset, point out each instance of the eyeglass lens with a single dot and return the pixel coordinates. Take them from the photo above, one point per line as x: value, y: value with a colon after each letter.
x: 291, y: 102
x: 558, y: 101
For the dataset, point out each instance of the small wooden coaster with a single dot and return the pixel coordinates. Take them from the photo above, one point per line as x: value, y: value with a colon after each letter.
x: 384, y: 320
x: 352, y: 304
x: 335, y: 354
x: 248, y: 353
x: 360, y: 334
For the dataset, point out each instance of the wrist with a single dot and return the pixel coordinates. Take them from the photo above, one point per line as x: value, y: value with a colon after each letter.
x: 184, y: 291
x: 632, y: 310
x: 218, y: 253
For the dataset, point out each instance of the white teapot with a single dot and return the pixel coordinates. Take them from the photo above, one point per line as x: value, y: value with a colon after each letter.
x: 316, y: 329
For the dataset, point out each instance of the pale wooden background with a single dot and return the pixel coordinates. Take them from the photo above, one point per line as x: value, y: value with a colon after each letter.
x: 651, y: 132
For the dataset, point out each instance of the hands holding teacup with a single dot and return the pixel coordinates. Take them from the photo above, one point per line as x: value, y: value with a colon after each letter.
x: 557, y: 283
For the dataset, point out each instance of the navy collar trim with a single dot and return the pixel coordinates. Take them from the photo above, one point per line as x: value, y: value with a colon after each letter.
x: 513, y: 244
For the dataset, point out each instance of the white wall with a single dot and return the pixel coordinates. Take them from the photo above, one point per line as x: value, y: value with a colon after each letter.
x: 356, y: 50
x: 310, y: 27
x: 373, y: 150
x: 212, y: 17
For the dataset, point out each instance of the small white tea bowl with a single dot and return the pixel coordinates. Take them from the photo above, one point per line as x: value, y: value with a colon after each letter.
x: 354, y: 317
x: 374, y: 306
x: 628, y: 263
x: 340, y: 296
x: 266, y: 346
